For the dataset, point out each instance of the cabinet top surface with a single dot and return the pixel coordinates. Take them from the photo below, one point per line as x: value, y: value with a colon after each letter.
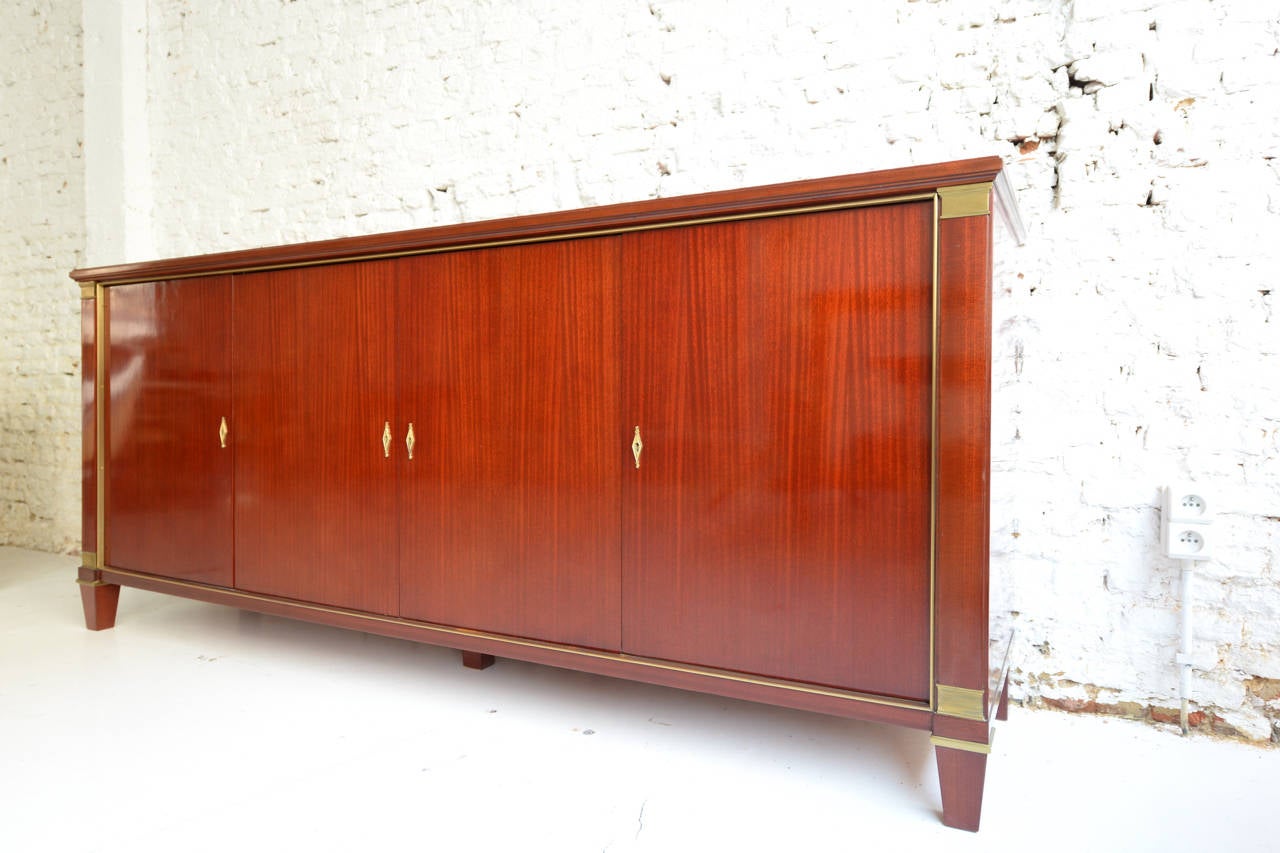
x: 866, y: 186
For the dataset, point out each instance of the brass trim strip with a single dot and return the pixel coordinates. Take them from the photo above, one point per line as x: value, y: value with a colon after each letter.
x: 961, y: 702
x: 100, y: 417
x: 83, y: 582
x: 616, y: 657
x: 88, y: 559
x: 965, y: 200
x: 88, y: 291
x: 542, y: 238
x: 966, y: 745
x: 936, y: 308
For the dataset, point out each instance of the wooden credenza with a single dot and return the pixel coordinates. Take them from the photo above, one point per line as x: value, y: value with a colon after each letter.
x: 735, y: 442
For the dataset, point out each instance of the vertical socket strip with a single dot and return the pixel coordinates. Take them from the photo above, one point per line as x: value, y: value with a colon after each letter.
x: 1185, y: 519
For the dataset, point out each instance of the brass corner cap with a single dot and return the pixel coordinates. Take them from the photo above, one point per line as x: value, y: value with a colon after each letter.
x: 962, y: 703
x: 88, y: 291
x: 964, y: 200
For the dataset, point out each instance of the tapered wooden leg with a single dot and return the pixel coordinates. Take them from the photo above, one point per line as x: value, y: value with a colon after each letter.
x: 961, y: 774
x: 1002, y: 710
x: 99, y: 600
x: 476, y: 660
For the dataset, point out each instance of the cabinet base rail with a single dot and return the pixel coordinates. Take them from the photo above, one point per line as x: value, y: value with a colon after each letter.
x: 961, y: 774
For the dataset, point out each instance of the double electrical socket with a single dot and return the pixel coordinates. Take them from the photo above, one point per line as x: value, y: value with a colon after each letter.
x: 1185, y: 518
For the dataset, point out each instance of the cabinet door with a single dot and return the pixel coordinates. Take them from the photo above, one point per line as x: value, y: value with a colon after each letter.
x: 168, y: 489
x: 780, y: 372
x: 511, y: 505
x: 315, y: 493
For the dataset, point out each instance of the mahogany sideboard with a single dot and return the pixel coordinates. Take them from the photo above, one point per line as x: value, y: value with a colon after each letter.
x: 735, y: 442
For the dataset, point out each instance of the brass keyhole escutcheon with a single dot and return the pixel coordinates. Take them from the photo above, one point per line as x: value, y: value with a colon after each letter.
x: 636, y: 446
x: 409, y: 440
x: 386, y: 440
x: 222, y: 433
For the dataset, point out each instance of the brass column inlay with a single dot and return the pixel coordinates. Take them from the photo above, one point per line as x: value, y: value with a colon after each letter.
x: 100, y: 417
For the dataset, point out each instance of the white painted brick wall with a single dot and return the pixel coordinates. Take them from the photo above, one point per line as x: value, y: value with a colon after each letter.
x: 1135, y: 337
x: 41, y: 234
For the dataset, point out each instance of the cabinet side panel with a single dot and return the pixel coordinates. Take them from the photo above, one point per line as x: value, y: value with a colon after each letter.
x: 89, y: 426
x: 169, y: 489
x: 780, y: 372
x: 964, y: 451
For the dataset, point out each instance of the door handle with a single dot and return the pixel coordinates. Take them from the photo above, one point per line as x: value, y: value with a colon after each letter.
x: 386, y: 440
x: 409, y: 440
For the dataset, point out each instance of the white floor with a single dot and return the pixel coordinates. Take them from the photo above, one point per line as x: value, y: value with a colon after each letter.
x: 191, y: 727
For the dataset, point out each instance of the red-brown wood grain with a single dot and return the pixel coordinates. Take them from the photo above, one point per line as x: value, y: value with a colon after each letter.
x: 779, y: 370
x: 510, y: 508
x: 962, y: 776
x: 89, y: 426
x: 476, y: 660
x: 964, y: 451
x: 818, y: 191
x: 315, y: 507
x: 777, y: 532
x: 168, y: 387
x: 99, y: 601
x: 619, y: 666
x: 972, y: 731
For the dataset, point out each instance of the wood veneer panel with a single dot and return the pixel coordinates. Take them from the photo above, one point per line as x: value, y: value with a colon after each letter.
x: 511, y: 506
x: 315, y: 508
x: 169, y: 479
x: 780, y: 372
x: 891, y: 182
x: 89, y: 426
x: 964, y: 451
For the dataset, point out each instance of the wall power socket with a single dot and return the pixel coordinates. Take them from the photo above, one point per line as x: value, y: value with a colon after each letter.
x: 1185, y: 520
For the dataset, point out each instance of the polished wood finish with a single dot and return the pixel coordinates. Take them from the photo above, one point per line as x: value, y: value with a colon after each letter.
x: 599, y: 663
x: 970, y: 731
x: 168, y: 387
x: 964, y: 452
x: 779, y: 371
x: 99, y: 604
x: 510, y: 508
x: 315, y: 498
x: 89, y: 426
x: 962, y: 775
x: 98, y: 598
x: 476, y: 660
x: 644, y: 214
x: 809, y: 366
x: 1002, y: 709
x: 962, y: 595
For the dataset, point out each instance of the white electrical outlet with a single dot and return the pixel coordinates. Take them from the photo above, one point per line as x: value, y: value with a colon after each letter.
x: 1186, y: 502
x: 1185, y: 520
